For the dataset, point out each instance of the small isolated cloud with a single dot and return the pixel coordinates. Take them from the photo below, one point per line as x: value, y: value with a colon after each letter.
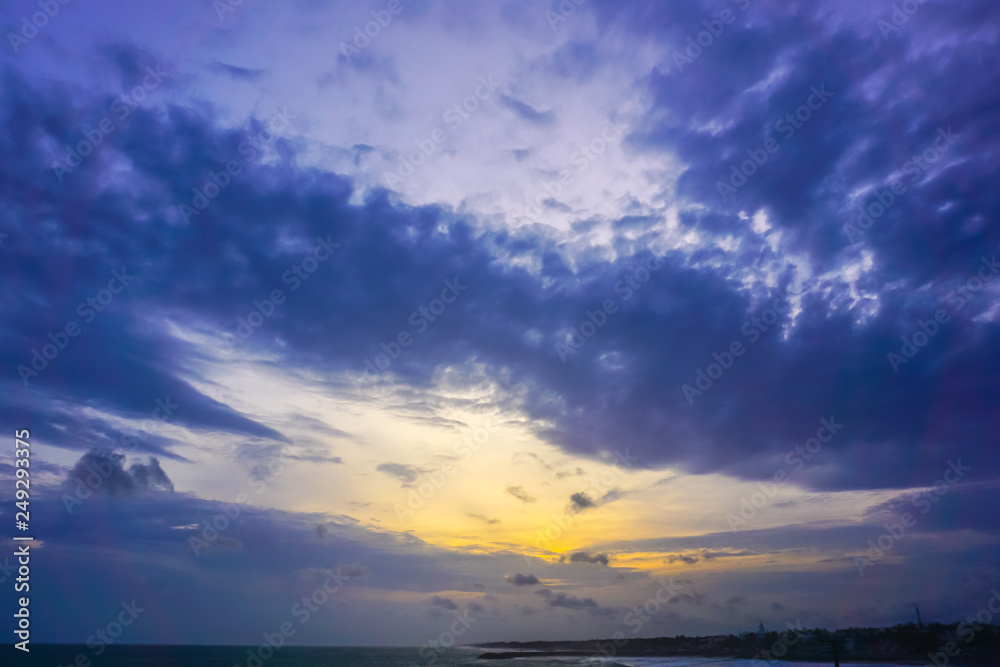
x: 523, y: 579
x: 104, y: 471
x: 483, y: 518
x: 689, y: 598
x: 581, y: 501
x: 355, y: 570
x: 737, y: 600
x: 567, y: 601
x: 519, y: 493
x: 444, y: 603
x: 610, y: 497
x: 526, y: 111
x: 235, y: 72
x: 688, y: 559
x: 406, y: 474
x: 777, y: 606
x: 587, y: 557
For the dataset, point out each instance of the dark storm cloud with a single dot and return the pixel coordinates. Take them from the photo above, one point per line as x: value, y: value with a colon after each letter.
x: 624, y: 384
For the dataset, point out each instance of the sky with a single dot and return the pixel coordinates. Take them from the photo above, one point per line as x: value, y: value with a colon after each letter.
x: 559, y: 318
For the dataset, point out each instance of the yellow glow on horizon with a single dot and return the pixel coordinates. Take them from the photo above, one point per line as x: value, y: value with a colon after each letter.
x: 459, y: 473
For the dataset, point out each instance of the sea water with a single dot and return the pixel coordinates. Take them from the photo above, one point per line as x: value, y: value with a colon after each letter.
x: 296, y: 656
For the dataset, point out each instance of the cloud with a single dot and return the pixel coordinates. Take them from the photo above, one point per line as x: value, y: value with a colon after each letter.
x: 519, y: 493
x: 722, y: 263
x: 355, y: 570
x: 587, y: 557
x: 527, y: 112
x: 591, y: 403
x: 682, y: 558
x: 444, y: 603
x: 482, y: 517
x: 567, y: 601
x: 697, y: 599
x: 104, y: 471
x: 235, y: 72
x: 581, y: 501
x: 523, y: 579
x: 406, y: 474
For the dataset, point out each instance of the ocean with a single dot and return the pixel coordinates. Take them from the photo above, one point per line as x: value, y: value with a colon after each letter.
x: 295, y: 656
